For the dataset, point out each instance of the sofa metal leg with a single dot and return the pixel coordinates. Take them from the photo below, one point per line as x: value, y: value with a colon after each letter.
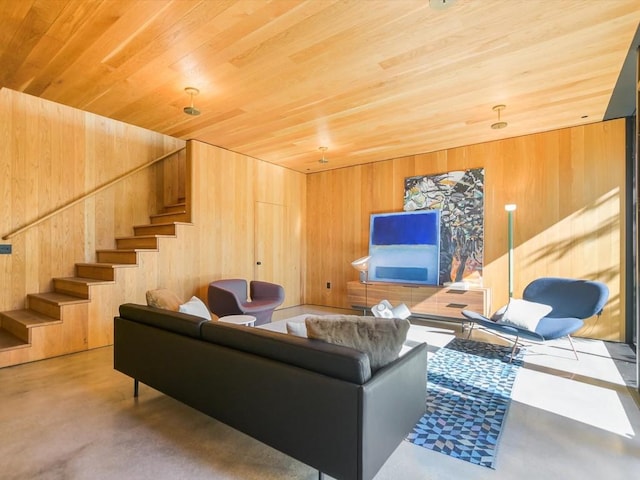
x: 320, y: 475
x: 135, y: 387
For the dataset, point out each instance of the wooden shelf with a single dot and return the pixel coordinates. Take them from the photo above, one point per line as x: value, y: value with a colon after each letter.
x: 422, y: 300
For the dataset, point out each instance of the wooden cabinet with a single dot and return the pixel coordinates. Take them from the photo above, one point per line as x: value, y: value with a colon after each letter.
x: 422, y: 300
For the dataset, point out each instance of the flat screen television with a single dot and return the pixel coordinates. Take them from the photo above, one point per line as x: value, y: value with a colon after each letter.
x: 405, y: 247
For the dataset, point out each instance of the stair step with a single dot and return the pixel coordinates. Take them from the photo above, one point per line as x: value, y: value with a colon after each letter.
x: 9, y: 341
x: 49, y: 303
x: 175, y: 208
x: 77, y: 286
x: 146, y: 242
x: 29, y: 318
x: 169, y: 217
x: 166, y: 229
x: 123, y: 257
x: 99, y: 271
x: 18, y: 323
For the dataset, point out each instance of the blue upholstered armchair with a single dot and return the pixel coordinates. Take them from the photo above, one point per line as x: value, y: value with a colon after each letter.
x: 572, y: 301
x: 229, y: 297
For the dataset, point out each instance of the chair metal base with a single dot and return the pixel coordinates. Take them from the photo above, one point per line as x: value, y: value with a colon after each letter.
x: 517, y: 342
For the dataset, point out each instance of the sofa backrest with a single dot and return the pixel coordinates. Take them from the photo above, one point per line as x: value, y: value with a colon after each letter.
x: 328, y: 359
x: 334, y: 361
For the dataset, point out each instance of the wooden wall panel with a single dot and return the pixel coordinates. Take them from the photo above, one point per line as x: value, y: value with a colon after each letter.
x: 569, y: 188
x: 54, y: 154
x: 225, y: 187
x: 568, y: 185
x: 50, y: 156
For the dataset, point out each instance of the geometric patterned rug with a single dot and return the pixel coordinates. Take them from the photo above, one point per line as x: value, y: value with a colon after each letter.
x: 468, y: 395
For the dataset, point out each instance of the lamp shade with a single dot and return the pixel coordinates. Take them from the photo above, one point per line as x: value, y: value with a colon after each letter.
x: 361, y: 264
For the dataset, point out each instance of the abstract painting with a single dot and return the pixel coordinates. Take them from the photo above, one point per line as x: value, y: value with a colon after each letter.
x: 459, y: 195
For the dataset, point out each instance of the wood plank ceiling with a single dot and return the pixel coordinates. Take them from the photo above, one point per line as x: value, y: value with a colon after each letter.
x: 368, y: 79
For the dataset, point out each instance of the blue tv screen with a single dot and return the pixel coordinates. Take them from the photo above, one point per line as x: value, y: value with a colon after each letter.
x: 405, y: 247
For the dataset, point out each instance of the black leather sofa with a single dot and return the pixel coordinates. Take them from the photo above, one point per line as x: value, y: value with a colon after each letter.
x: 315, y: 401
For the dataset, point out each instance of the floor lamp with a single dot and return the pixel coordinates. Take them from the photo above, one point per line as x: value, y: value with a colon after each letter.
x: 362, y: 265
x: 510, y: 208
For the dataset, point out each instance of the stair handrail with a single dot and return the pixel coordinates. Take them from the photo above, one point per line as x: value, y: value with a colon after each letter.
x: 89, y: 194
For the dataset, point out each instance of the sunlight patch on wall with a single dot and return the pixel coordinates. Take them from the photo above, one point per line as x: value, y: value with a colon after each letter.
x: 571, y: 244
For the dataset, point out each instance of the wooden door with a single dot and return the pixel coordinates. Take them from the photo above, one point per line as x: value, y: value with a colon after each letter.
x: 270, y: 233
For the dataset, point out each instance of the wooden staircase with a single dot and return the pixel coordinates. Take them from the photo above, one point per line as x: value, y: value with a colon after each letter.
x: 55, y: 323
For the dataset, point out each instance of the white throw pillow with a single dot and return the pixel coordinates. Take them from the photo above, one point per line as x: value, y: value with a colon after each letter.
x: 522, y: 313
x: 299, y: 329
x: 196, y: 307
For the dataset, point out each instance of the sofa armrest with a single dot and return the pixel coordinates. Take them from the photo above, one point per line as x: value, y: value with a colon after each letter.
x: 177, y: 322
x: 392, y: 403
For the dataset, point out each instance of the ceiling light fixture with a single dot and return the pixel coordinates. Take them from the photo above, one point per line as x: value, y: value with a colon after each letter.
x: 191, y: 110
x: 499, y: 124
x: 441, y: 4
x: 323, y: 160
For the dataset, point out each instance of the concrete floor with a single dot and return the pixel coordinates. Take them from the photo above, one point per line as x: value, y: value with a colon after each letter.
x: 74, y: 417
